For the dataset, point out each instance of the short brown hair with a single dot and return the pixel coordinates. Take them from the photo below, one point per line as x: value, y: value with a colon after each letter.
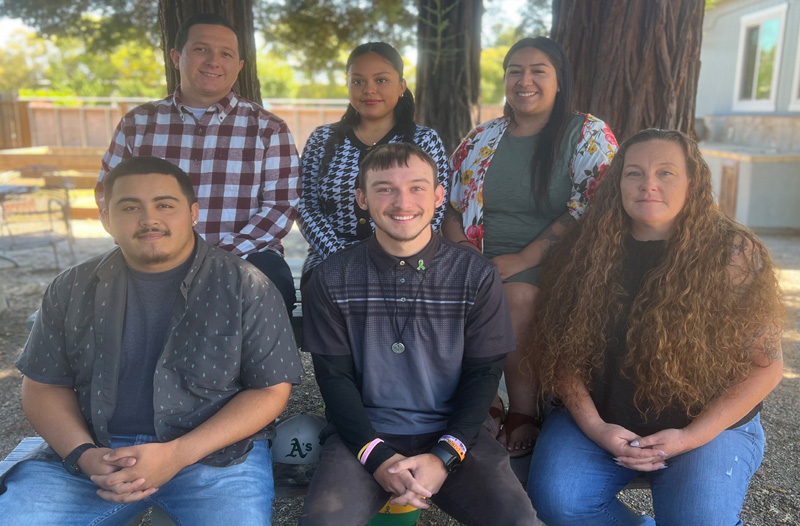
x: 206, y: 19
x: 392, y: 155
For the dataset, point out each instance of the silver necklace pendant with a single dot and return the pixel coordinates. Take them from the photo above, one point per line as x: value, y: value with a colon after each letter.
x: 398, y: 348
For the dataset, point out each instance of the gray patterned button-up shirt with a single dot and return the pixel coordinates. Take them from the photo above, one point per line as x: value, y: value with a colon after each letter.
x: 229, y: 331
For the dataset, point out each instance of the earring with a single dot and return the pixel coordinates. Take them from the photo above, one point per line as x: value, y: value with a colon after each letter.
x: 194, y: 223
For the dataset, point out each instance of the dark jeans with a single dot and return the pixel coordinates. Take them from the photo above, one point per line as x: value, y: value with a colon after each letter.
x: 483, y: 491
x: 272, y: 265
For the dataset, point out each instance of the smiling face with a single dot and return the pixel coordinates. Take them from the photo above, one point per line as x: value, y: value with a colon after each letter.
x: 151, y: 221
x: 209, y: 64
x: 531, y: 84
x: 402, y: 201
x: 653, y: 187
x: 374, y: 87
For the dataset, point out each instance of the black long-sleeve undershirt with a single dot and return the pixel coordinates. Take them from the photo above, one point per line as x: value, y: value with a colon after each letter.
x: 340, y: 388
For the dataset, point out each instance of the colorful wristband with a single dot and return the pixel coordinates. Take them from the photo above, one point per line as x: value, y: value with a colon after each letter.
x: 457, y: 445
x: 367, y: 449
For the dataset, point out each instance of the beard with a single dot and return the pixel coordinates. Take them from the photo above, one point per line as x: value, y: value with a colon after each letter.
x: 154, y: 256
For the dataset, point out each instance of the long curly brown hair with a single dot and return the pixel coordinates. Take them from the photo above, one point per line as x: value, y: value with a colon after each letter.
x: 696, y: 318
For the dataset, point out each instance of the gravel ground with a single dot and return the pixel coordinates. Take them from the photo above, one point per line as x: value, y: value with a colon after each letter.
x: 773, y: 497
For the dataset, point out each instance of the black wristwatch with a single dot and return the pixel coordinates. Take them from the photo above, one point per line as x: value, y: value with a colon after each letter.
x: 70, y: 463
x: 450, y: 459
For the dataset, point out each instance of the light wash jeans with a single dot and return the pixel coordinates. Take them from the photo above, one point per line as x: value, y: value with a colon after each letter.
x: 573, y: 481
x: 44, y: 493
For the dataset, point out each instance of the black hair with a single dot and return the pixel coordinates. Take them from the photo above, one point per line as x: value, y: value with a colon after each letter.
x: 148, y: 165
x: 403, y: 111
x: 390, y: 155
x: 203, y: 18
x: 548, y: 143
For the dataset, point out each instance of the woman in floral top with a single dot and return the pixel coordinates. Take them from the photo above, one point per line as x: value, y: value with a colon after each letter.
x: 519, y: 183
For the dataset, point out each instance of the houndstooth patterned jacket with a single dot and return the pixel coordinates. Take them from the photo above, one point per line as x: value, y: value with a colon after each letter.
x: 327, y: 215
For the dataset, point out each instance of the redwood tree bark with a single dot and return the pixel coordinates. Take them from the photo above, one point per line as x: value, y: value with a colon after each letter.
x: 172, y: 13
x: 636, y: 62
x: 448, y: 67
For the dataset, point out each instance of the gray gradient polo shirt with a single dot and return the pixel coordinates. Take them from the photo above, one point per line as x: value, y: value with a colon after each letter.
x: 448, y: 303
x: 228, y: 332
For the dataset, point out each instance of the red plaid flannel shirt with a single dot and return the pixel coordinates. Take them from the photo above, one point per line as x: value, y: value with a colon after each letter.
x: 242, y: 161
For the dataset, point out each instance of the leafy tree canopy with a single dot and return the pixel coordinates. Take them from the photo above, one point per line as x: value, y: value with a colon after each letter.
x: 319, y: 34
x: 535, y: 19
x: 110, y: 23
x: 65, y: 66
x: 22, y: 61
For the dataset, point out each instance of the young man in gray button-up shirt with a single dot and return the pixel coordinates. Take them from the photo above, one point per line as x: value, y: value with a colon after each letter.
x: 151, y: 367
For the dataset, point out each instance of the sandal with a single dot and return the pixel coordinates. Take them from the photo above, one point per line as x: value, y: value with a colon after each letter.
x: 494, y: 421
x: 515, y: 420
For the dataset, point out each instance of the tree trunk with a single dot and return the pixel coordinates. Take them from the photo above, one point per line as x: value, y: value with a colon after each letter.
x: 172, y: 13
x: 636, y: 62
x: 448, y: 67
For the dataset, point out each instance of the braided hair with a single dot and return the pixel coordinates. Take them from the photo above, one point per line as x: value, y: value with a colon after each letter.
x: 403, y: 111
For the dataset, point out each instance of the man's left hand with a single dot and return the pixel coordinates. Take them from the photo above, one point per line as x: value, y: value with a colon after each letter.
x: 426, y: 469
x: 156, y: 464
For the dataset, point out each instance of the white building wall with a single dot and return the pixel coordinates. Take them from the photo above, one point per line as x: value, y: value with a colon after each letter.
x: 720, y: 52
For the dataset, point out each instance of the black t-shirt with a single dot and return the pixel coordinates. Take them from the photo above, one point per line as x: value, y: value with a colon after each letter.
x: 612, y: 392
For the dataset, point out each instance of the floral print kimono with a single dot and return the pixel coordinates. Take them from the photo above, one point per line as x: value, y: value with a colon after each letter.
x: 595, y: 150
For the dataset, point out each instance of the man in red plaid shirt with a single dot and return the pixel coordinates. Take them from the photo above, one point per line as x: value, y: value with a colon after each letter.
x: 242, y: 159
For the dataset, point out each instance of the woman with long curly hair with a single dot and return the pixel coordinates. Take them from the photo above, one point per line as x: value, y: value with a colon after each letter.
x: 659, y: 333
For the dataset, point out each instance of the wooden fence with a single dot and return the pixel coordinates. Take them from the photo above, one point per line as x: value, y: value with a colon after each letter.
x: 14, y: 131
x: 89, y: 122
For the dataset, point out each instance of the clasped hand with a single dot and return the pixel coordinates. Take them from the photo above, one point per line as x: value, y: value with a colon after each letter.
x: 647, y: 453
x: 131, y: 473
x: 412, y: 480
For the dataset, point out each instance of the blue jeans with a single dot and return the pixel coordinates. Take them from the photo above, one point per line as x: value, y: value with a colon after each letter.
x: 44, y: 493
x: 574, y: 481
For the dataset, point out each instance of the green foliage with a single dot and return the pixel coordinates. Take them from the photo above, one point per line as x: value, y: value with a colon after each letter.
x: 492, y: 87
x: 22, y: 61
x: 536, y: 19
x: 319, y: 34
x: 320, y: 90
x: 765, y: 71
x: 114, y: 51
x: 64, y: 66
x: 112, y: 22
x: 137, y: 71
x: 276, y: 76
